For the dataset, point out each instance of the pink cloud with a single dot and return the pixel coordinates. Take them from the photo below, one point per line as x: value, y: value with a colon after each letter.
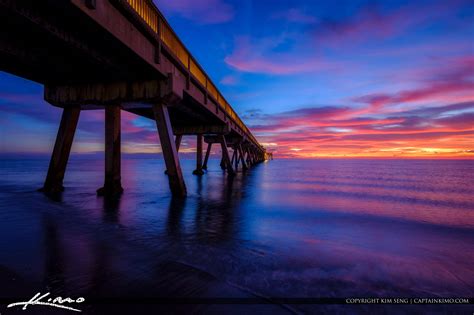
x: 306, y: 51
x: 428, y: 92
x: 321, y: 131
x: 201, y: 11
x: 229, y: 80
x: 415, y: 137
x: 455, y: 76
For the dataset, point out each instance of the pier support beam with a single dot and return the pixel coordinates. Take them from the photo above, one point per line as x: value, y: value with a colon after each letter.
x: 61, y: 151
x: 249, y: 159
x: 222, y: 164
x: 226, y: 157
x: 237, y: 158
x: 232, y: 160
x: 198, y: 170
x: 170, y: 153
x: 242, y: 157
x: 177, y: 143
x: 208, y: 153
x: 251, y: 156
x: 112, y: 182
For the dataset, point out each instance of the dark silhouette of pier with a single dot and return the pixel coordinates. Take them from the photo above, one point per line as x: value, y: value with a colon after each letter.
x: 116, y: 55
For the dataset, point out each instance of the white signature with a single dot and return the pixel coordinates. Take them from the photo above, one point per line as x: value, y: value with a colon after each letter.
x: 58, y: 302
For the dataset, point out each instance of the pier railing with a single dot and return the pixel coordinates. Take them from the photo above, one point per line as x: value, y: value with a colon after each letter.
x: 150, y: 14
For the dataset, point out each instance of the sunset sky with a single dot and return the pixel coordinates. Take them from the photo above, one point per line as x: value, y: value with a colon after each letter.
x: 310, y: 79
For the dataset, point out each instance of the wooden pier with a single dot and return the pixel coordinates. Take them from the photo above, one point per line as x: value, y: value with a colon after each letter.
x: 116, y: 55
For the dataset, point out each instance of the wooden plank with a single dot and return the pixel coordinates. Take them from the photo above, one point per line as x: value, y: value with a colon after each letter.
x: 201, y: 129
x: 170, y: 153
x: 112, y: 181
x: 61, y: 151
x: 230, y: 140
x: 100, y: 94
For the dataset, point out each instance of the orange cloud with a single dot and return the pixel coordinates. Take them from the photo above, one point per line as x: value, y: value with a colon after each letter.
x: 443, y: 131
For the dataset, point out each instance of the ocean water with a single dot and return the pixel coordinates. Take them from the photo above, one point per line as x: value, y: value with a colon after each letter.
x: 287, y: 228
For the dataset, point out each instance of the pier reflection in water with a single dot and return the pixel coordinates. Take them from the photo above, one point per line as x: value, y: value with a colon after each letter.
x: 287, y: 228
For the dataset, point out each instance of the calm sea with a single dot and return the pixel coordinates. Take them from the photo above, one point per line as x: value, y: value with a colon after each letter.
x: 288, y: 228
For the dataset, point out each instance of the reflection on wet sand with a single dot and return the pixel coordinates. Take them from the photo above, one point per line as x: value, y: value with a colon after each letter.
x: 77, y: 262
x: 287, y: 228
